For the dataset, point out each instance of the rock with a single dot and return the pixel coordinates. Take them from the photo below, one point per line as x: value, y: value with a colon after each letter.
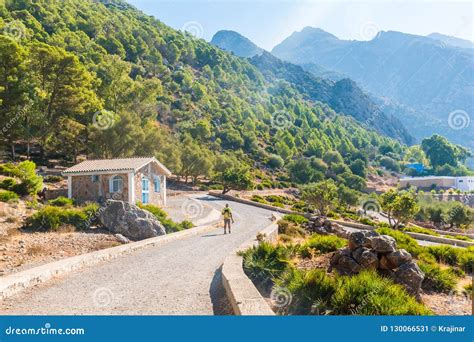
x: 343, y: 262
x: 385, y: 264
x: 360, y: 239
x: 384, y: 244
x: 129, y: 220
x: 399, y: 257
x: 347, y: 265
x: 122, y: 239
x: 366, y: 258
x: 411, y: 276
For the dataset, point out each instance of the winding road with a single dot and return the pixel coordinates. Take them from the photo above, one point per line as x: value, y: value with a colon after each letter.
x: 179, y: 278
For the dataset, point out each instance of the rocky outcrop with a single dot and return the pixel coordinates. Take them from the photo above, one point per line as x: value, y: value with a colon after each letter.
x: 321, y: 225
x: 369, y: 250
x: 130, y: 221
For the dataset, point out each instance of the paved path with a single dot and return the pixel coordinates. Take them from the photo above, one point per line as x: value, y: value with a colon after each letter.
x: 182, y: 277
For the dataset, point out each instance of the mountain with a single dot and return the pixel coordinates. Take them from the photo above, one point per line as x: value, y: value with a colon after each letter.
x: 103, y: 79
x: 235, y: 42
x: 418, y: 74
x: 344, y: 96
x: 452, y: 41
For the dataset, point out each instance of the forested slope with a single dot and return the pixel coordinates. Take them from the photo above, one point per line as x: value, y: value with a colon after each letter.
x: 104, y: 79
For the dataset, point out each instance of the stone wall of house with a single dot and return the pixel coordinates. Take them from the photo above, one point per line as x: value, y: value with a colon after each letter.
x: 150, y: 170
x: 84, y: 189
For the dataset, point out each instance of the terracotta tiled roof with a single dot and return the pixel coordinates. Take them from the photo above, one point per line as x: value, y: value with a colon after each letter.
x: 114, y: 165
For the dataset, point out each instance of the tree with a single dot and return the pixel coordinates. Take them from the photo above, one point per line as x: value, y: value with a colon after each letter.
x: 13, y: 91
x: 235, y: 179
x: 439, y: 151
x: 400, y: 207
x: 346, y: 196
x: 457, y: 215
x: 70, y: 137
x: 358, y: 168
x: 64, y: 88
x: 322, y: 195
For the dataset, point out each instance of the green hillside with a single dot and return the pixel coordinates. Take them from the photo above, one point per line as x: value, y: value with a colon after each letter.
x: 106, y: 80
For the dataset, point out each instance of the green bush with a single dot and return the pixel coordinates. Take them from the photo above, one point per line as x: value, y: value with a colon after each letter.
x: 258, y: 199
x: 289, y: 228
x: 367, y: 293
x: 265, y: 262
x: 52, y: 179
x: 322, y: 244
x: 459, y: 237
x: 7, y: 196
x: 420, y: 231
x: 311, y: 291
x: 298, y: 219
x: 30, y: 184
x: 436, y: 278
x: 61, y: 202
x: 8, y: 184
x: 367, y: 221
x: 460, y: 257
x: 50, y: 218
x: 162, y: 216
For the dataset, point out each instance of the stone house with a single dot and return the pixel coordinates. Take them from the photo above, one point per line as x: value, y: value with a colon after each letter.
x: 127, y: 179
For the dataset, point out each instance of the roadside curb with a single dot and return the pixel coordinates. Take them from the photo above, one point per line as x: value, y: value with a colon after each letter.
x: 244, y: 297
x: 17, y: 282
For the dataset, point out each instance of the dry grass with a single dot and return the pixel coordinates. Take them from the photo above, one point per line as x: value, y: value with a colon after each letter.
x: 106, y: 244
x: 35, y: 250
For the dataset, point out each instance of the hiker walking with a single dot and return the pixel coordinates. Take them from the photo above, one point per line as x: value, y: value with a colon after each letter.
x: 227, y: 213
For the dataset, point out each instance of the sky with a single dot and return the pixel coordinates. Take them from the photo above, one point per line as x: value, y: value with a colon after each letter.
x: 267, y: 22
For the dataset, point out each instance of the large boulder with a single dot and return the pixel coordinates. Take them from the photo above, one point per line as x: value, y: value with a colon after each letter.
x: 129, y: 220
x: 366, y: 258
x: 411, y: 276
x: 399, y: 258
x: 361, y: 239
x: 384, y: 244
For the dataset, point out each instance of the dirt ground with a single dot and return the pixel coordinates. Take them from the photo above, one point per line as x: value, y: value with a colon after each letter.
x: 20, y: 250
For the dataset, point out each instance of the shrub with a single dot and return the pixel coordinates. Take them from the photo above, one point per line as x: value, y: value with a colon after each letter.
x: 162, y: 216
x: 298, y: 219
x: 30, y: 184
x: 461, y: 257
x: 265, y: 262
x: 367, y: 221
x: 290, y: 229
x: 8, y: 196
x: 420, y: 231
x: 50, y: 218
x: 258, y: 199
x: 8, y: 184
x: 52, y: 179
x: 311, y: 291
x: 61, y: 202
x: 436, y: 278
x: 367, y: 293
x: 323, y: 244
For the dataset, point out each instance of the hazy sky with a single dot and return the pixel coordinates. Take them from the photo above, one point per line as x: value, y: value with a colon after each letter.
x: 267, y: 22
